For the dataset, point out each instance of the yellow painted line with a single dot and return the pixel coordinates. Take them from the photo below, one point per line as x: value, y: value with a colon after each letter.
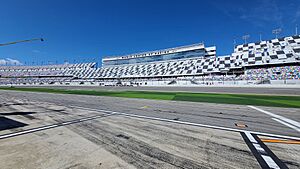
x: 280, y: 141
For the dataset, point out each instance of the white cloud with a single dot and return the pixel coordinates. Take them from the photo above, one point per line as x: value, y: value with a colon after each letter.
x: 9, y: 61
x: 260, y: 13
x: 264, y: 13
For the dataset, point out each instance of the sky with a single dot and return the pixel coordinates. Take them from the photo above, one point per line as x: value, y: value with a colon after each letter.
x: 87, y: 30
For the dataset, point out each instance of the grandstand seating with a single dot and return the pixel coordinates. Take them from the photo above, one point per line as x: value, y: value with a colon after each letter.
x: 49, y: 70
x: 276, y: 59
x: 273, y: 73
x: 276, y: 51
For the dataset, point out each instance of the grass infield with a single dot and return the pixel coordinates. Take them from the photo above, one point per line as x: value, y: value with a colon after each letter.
x: 242, y: 99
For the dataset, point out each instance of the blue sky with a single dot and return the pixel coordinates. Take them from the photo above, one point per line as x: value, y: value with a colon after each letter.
x: 81, y: 30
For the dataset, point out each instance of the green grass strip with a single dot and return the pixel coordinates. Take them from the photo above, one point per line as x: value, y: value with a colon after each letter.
x: 241, y: 99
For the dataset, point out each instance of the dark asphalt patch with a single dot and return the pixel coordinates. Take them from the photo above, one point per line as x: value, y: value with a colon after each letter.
x: 17, y: 113
x: 123, y: 136
x: 6, y: 123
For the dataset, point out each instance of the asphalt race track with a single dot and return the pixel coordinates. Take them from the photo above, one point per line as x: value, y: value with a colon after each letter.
x: 71, y: 131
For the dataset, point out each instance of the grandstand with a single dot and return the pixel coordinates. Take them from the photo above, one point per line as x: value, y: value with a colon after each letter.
x: 48, y: 74
x: 274, y: 61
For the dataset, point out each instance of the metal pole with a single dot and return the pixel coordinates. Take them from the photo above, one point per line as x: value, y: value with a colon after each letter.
x: 21, y: 41
x: 245, y: 37
x: 276, y: 32
x: 234, y: 44
x: 260, y: 39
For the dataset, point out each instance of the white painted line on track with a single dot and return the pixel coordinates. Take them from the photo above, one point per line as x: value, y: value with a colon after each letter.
x: 271, y: 163
x: 28, y: 131
x: 264, y: 156
x: 187, y: 123
x: 250, y: 137
x: 283, y: 120
x: 287, y: 124
x: 32, y: 130
x: 66, y: 123
x: 259, y: 148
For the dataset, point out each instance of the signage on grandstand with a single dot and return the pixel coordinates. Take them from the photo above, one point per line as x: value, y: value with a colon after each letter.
x: 157, y: 52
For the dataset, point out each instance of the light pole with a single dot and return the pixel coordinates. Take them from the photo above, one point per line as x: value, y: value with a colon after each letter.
x: 276, y: 32
x: 245, y: 38
x: 21, y: 41
x: 260, y: 37
x: 234, y: 43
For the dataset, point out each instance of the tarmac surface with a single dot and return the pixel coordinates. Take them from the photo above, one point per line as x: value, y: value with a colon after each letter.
x: 71, y: 131
x: 283, y: 90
